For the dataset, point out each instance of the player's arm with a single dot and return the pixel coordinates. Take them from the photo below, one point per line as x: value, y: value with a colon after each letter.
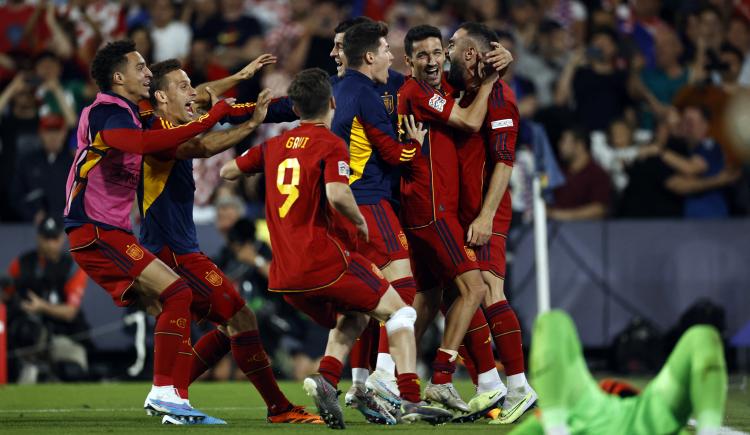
x: 379, y: 131
x: 503, y: 131
x: 471, y: 118
x: 250, y: 162
x: 121, y: 132
x: 339, y: 194
x: 279, y: 110
x: 220, y: 86
x: 693, y: 165
x: 218, y: 141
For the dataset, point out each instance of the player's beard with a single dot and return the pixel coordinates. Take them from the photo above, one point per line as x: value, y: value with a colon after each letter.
x: 456, y: 74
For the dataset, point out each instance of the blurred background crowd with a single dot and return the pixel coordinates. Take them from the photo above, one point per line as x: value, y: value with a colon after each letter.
x: 625, y: 100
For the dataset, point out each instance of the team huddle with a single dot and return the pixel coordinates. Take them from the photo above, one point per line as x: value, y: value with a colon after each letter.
x: 387, y: 203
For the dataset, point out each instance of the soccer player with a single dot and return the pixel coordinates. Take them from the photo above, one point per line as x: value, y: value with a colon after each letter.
x: 429, y: 196
x: 100, y: 192
x: 692, y: 382
x: 485, y: 162
x: 304, y: 167
x: 166, y: 201
x: 363, y: 122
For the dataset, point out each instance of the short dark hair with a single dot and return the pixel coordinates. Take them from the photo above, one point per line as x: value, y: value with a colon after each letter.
x: 607, y: 31
x: 109, y: 59
x: 580, y: 134
x: 159, y: 71
x: 480, y: 33
x: 351, y: 22
x: 420, y: 33
x: 310, y: 92
x: 731, y: 49
x: 362, y: 38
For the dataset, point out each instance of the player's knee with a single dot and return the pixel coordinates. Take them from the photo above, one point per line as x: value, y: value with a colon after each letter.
x: 177, y: 292
x: 403, y: 318
x: 702, y: 336
x: 243, y: 320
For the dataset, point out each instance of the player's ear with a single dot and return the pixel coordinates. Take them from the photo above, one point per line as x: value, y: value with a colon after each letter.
x: 407, y: 59
x: 333, y: 103
x: 117, y: 78
x: 369, y: 57
x: 160, y: 96
x: 294, y: 109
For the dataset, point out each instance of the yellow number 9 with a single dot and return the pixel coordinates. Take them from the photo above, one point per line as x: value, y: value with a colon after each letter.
x: 288, y: 189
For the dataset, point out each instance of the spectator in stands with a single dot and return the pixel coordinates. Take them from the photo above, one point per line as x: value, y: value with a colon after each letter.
x: 38, y: 188
x: 738, y: 35
x: 642, y: 25
x: 19, y: 134
x: 657, y: 85
x: 615, y: 151
x: 170, y: 36
x: 587, y: 191
x: 238, y: 37
x: 44, y: 318
x: 229, y: 209
x: 700, y: 176
x: 646, y: 195
x: 592, y: 82
x: 545, y: 62
x: 143, y: 44
x: 523, y: 87
x: 57, y: 96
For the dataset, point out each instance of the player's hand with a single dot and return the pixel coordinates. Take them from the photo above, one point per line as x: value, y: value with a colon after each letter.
x: 212, y: 95
x: 362, y: 232
x: 499, y: 57
x: 414, y: 129
x: 33, y: 303
x: 253, y: 67
x: 479, y: 231
x: 261, y: 107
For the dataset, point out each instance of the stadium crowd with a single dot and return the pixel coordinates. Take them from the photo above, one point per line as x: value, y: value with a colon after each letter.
x: 631, y: 95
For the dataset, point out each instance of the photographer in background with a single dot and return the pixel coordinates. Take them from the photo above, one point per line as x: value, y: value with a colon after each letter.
x: 43, y: 292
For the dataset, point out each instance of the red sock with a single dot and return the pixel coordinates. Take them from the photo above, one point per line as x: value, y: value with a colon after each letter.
x: 250, y: 357
x: 208, y: 351
x: 406, y: 288
x: 182, y: 368
x: 331, y: 368
x: 408, y: 386
x: 359, y: 356
x: 171, y: 326
x: 383, y: 341
x: 478, y: 343
x: 443, y: 368
x: 507, y: 335
x: 468, y: 363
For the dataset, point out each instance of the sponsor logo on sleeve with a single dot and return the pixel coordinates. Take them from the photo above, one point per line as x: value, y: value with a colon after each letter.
x: 502, y: 123
x: 343, y: 169
x: 437, y: 102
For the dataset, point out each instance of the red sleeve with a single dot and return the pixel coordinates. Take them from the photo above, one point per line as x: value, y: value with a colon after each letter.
x: 152, y: 141
x: 502, y: 126
x: 251, y: 161
x: 337, y: 163
x: 75, y: 287
x: 426, y: 103
x: 14, y: 270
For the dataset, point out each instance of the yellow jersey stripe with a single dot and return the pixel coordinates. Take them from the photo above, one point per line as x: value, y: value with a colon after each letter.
x: 360, y: 150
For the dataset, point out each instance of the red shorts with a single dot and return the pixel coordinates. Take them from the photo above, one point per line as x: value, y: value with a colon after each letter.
x: 112, y: 258
x: 387, y: 239
x: 214, y: 295
x: 439, y: 253
x: 358, y: 289
x: 491, y: 255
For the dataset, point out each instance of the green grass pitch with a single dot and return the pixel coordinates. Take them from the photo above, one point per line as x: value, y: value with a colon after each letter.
x: 116, y: 408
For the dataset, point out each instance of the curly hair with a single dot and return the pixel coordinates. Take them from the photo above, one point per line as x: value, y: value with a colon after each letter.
x: 109, y: 59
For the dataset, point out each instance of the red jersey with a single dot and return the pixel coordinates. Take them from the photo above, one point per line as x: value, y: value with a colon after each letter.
x: 429, y: 187
x: 478, y: 153
x: 297, y: 164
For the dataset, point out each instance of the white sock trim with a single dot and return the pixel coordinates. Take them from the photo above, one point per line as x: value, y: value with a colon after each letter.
x: 359, y: 375
x: 386, y: 363
x: 489, y: 381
